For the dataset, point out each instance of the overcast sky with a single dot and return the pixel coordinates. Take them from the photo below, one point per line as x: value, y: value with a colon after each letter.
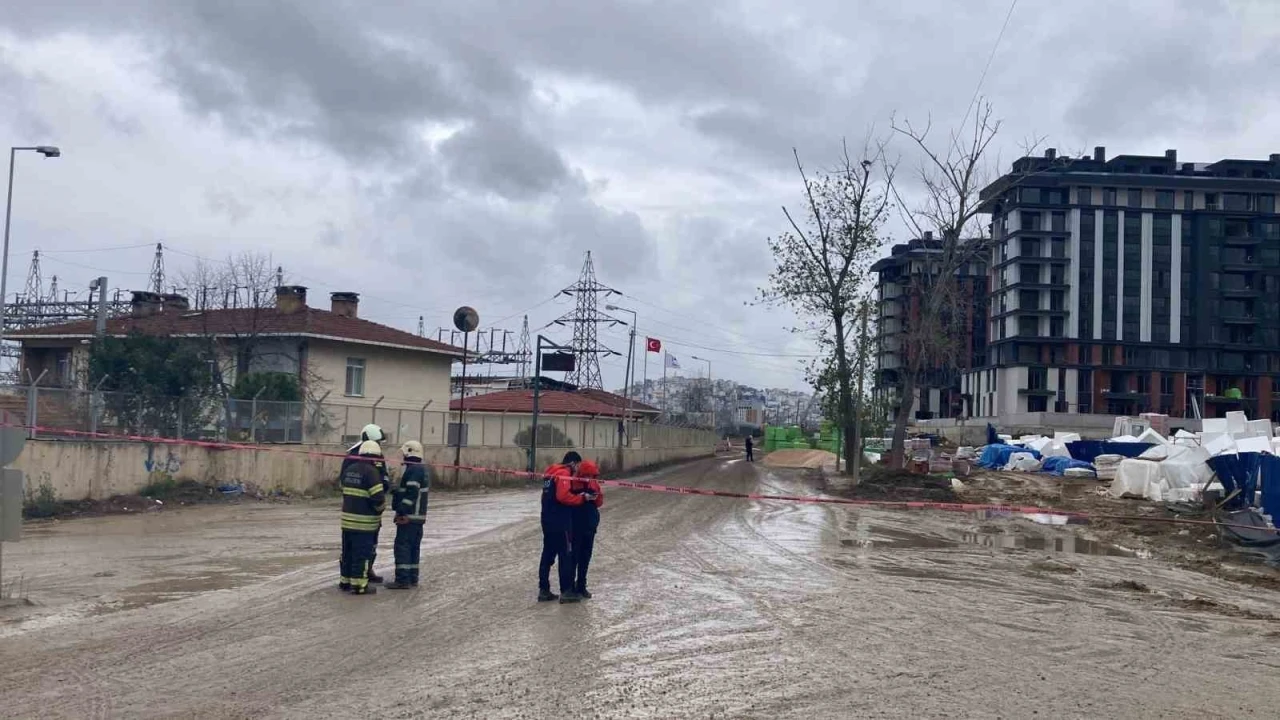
x: 434, y: 154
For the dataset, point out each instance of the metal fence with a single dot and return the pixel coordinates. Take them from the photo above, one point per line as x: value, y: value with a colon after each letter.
x: 68, y: 413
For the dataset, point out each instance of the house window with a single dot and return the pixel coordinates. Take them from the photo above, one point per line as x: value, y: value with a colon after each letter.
x: 355, y: 377
x: 1266, y: 203
x: 1084, y: 195
x: 1108, y: 196
x: 1135, y: 198
x: 1164, y: 199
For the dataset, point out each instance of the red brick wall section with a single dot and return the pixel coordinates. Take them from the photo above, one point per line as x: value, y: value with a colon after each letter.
x: 1154, y: 391
x: 1180, y: 394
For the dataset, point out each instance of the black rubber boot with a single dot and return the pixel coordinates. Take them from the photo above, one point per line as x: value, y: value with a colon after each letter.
x: 344, y: 586
x: 586, y: 595
x: 547, y: 596
x: 397, y: 585
x: 374, y: 577
x: 570, y: 597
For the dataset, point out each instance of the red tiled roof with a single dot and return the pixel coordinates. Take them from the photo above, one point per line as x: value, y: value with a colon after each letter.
x: 551, y: 402
x: 619, y: 401
x: 245, y: 322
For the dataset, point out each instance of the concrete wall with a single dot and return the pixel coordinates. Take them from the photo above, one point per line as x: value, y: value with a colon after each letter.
x: 1090, y: 427
x: 96, y: 470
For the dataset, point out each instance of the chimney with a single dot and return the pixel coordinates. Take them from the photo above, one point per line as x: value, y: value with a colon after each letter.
x: 1050, y: 153
x: 144, y: 304
x: 344, y: 303
x: 1171, y: 155
x: 291, y: 299
x: 928, y: 235
x: 176, y: 303
x: 1275, y: 157
x: 1100, y: 153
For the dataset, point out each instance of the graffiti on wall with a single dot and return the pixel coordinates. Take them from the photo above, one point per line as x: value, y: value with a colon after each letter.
x: 169, y: 464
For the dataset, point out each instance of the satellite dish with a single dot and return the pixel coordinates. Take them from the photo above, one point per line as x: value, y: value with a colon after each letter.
x: 466, y: 319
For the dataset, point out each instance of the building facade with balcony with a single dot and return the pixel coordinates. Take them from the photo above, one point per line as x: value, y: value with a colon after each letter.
x: 1133, y: 284
x: 939, y: 392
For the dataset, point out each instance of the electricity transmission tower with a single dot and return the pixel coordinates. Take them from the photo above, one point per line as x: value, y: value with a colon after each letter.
x: 526, y: 349
x: 157, y: 271
x: 584, y: 318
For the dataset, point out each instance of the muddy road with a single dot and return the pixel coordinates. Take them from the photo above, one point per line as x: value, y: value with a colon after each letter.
x: 704, y: 607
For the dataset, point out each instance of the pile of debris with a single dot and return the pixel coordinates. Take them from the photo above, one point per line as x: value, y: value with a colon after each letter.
x: 1232, y: 463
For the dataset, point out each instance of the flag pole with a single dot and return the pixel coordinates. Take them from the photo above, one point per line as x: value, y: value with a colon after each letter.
x: 664, y: 384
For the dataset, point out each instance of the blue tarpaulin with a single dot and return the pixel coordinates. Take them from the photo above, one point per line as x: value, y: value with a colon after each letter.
x: 1089, y: 450
x: 995, y: 457
x: 1270, y: 477
x: 1060, y: 465
x: 1238, y: 472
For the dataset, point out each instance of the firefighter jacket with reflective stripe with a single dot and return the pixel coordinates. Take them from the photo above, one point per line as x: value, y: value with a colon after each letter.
x: 364, y: 496
x: 410, y: 498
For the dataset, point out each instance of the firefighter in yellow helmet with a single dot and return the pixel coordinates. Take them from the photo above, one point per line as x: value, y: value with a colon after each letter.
x: 410, y: 507
x: 364, y: 497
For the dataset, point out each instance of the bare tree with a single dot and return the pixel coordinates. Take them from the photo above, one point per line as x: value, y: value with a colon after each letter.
x: 246, y: 280
x: 952, y: 176
x: 818, y: 267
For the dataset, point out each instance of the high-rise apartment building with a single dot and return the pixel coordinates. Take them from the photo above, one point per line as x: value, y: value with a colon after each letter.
x: 938, y: 393
x: 1135, y: 284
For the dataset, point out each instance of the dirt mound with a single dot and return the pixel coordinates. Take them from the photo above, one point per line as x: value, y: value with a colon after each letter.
x: 808, y: 459
x: 882, y: 483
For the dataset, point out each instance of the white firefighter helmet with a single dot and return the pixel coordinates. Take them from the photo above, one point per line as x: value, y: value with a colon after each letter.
x: 369, y: 447
x: 372, y: 432
x: 412, y: 449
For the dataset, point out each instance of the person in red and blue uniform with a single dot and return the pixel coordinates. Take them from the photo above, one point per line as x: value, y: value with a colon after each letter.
x: 558, y: 502
x: 585, y: 521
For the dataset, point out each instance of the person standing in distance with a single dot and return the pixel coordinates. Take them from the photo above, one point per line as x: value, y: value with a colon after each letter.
x: 364, y: 498
x: 751, y: 446
x: 370, y: 432
x: 557, y: 529
x: 410, y: 506
x: 586, y: 520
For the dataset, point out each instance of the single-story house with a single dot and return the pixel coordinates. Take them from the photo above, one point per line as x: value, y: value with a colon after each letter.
x: 340, y: 358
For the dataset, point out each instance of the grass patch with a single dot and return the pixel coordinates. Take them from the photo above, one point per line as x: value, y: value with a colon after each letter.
x: 42, y: 502
x: 167, y: 488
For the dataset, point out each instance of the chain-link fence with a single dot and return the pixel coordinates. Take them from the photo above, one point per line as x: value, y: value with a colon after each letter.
x: 67, y: 413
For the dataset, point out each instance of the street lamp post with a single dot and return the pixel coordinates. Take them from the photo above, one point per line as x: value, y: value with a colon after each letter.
x: 631, y: 368
x: 50, y: 152
x: 713, y: 389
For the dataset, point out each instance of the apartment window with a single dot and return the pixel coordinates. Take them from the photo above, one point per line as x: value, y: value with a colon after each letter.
x: 1058, y: 222
x: 1189, y: 200
x: 1210, y: 201
x: 1030, y: 220
x: 1135, y: 198
x: 355, y: 377
x: 1058, y: 247
x: 1266, y: 204
x: 1235, y: 202
x: 1037, y: 378
x: 1057, y: 300
x: 1029, y: 195
x: 1164, y: 199
x: 1271, y: 230
x: 1029, y: 326
x: 1029, y: 300
x: 1084, y: 196
x: 1058, y: 275
x: 1029, y: 273
x: 1108, y: 196
x: 1057, y: 327
x: 1030, y: 247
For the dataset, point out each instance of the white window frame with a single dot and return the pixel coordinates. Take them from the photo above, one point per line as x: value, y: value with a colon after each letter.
x: 356, y: 364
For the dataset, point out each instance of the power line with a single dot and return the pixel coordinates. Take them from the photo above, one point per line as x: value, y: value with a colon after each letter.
x: 990, y: 58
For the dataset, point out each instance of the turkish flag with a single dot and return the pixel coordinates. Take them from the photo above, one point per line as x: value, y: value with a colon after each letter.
x: 653, y: 345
